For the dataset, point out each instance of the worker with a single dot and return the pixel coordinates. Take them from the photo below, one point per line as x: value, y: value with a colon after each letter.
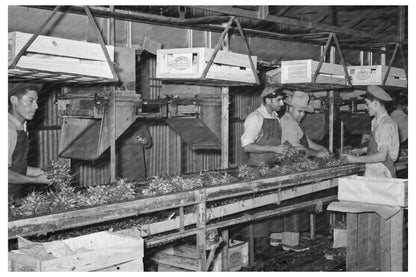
x: 262, y: 130
x: 293, y: 131
x: 383, y: 146
x: 261, y: 139
x: 23, y: 99
x: 399, y: 115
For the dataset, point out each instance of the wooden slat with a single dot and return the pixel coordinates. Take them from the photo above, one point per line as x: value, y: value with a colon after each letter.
x: 352, y: 242
x: 88, y: 216
x: 385, y: 245
x: 363, y: 237
x: 397, y: 241
x: 373, y: 247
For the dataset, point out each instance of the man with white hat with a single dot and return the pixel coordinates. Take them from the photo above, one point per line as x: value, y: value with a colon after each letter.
x: 384, y: 143
x: 262, y: 141
x: 293, y: 131
x: 23, y: 105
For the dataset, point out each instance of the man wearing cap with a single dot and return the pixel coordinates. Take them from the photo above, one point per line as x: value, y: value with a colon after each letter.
x: 261, y: 139
x: 293, y: 131
x: 383, y: 146
x: 262, y: 130
x: 22, y: 107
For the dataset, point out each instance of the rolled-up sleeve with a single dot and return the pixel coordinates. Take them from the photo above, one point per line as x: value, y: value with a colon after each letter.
x: 388, y: 135
x: 252, y: 128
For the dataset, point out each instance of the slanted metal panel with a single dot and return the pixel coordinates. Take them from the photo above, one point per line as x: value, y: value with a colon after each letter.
x: 357, y: 123
x: 85, y: 145
x: 195, y: 133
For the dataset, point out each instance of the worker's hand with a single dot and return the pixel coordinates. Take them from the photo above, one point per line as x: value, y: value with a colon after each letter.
x: 42, y: 179
x: 357, y: 151
x: 281, y: 149
x: 322, y: 153
x: 349, y: 158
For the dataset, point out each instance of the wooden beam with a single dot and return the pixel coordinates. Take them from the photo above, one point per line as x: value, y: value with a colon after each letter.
x: 295, y: 22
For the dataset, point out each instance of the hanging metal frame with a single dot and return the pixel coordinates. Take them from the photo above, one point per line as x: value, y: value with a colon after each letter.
x: 332, y: 36
x: 219, y: 44
x: 91, y: 20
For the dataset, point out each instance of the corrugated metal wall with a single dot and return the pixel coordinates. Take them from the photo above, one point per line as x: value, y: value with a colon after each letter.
x: 168, y: 155
x: 48, y: 128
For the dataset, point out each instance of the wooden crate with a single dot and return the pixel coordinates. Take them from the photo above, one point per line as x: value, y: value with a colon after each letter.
x: 102, y: 251
x: 189, y: 63
x: 184, y: 258
x: 60, y: 55
x: 374, y: 75
x: 302, y: 71
x: 372, y: 190
x: 373, y: 243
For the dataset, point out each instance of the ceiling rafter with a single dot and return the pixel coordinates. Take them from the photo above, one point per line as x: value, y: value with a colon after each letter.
x: 299, y: 23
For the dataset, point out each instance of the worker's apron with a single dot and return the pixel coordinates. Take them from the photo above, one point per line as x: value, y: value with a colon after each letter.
x: 19, y: 163
x: 270, y: 135
x: 385, y: 169
x: 303, y: 140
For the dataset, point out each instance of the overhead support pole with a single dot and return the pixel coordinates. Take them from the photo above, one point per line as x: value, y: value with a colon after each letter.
x: 331, y: 37
x: 32, y: 39
x: 263, y: 12
x: 390, y: 63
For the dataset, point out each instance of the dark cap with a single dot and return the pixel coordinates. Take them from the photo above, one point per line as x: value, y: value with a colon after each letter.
x: 376, y: 93
x: 17, y: 87
x: 273, y: 92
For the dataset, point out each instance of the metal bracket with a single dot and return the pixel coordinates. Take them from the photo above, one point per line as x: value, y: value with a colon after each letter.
x: 218, y: 46
x: 94, y: 26
x: 332, y: 36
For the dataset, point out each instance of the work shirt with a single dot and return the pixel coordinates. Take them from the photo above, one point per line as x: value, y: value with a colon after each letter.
x: 385, y: 132
x: 292, y: 131
x: 401, y: 120
x: 14, y: 126
x: 253, y: 124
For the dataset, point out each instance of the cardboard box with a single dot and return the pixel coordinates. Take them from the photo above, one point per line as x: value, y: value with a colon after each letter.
x: 60, y: 55
x: 371, y: 190
x: 102, y: 251
x: 302, y: 71
x: 189, y: 63
x: 374, y: 75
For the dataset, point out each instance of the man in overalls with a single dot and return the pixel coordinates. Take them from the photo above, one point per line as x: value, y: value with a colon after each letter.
x: 293, y: 131
x: 384, y: 143
x: 23, y: 105
x: 262, y: 141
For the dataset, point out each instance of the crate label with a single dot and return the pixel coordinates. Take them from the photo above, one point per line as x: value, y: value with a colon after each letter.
x: 361, y: 74
x: 180, y: 63
x: 298, y: 72
x: 235, y: 259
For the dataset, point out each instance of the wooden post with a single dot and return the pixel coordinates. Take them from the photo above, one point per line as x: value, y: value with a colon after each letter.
x: 312, y: 223
x: 224, y: 251
x: 113, y: 114
x: 251, y: 243
x: 225, y: 125
x: 201, y: 242
x: 397, y: 222
x: 352, y: 242
x: 342, y: 137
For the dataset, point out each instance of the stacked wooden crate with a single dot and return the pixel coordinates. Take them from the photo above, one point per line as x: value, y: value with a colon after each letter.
x: 184, y: 258
x: 102, y: 251
x: 375, y: 74
x: 59, y: 56
x: 375, y: 221
x: 189, y: 63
